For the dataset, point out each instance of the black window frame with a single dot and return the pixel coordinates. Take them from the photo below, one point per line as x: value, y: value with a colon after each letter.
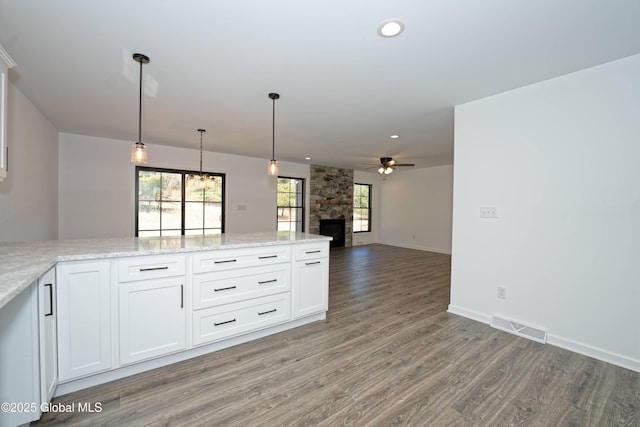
x: 369, y: 211
x: 303, y: 207
x: 185, y: 174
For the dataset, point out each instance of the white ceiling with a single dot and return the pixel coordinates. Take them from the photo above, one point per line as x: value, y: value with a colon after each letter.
x: 344, y: 89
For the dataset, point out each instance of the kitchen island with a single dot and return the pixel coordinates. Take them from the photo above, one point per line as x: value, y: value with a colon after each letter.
x: 90, y: 311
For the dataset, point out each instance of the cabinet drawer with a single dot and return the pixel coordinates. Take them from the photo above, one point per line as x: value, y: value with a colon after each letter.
x: 222, y: 322
x: 150, y: 267
x: 311, y: 251
x: 211, y: 289
x: 240, y: 258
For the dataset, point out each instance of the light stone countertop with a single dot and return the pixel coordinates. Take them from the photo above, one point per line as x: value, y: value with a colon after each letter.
x: 22, y: 263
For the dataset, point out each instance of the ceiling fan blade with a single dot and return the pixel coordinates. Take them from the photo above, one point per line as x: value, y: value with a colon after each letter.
x: 404, y: 164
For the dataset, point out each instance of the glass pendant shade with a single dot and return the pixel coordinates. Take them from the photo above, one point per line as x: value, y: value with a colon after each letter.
x: 273, y: 168
x: 139, y: 153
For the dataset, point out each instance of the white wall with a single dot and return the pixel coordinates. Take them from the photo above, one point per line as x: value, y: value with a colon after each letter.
x: 29, y: 195
x: 417, y: 208
x: 375, y: 180
x: 559, y: 159
x: 97, y: 186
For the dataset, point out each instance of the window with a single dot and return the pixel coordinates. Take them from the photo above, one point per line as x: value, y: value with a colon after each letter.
x: 290, y: 202
x: 361, y: 207
x: 166, y: 205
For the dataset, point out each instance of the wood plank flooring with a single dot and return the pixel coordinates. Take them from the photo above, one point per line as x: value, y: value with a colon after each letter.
x: 387, y: 355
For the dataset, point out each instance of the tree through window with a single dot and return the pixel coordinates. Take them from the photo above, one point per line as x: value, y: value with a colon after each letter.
x: 290, y: 204
x: 166, y: 205
x: 361, y: 208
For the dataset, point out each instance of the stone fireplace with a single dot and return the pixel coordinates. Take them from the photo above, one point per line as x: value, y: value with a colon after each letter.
x: 331, y: 194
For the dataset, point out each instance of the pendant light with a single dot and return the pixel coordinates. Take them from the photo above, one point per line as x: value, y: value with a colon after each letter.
x: 201, y: 180
x: 273, y: 164
x: 139, y: 150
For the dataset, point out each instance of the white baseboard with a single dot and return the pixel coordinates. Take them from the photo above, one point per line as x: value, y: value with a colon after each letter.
x: 469, y: 314
x: 596, y: 353
x: 565, y: 343
x: 418, y: 247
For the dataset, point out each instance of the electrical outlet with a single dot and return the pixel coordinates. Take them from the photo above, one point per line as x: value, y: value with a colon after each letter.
x: 502, y: 292
x: 488, y: 212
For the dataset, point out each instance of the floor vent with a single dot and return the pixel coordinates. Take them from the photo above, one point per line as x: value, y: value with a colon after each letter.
x: 535, y: 334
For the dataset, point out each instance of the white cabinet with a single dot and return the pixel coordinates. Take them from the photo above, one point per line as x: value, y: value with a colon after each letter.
x: 151, y: 318
x: 229, y: 320
x: 240, y: 258
x: 150, y: 267
x: 5, y: 63
x: 19, y: 359
x: 310, y: 292
x: 240, y: 291
x: 151, y: 306
x: 224, y: 287
x: 48, y: 336
x: 28, y: 366
x: 84, y: 319
x: 121, y: 315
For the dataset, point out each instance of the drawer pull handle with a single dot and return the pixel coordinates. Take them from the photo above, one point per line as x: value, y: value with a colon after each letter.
x: 268, y: 256
x: 267, y: 281
x: 224, y: 323
x: 50, y: 313
x: 267, y: 312
x: 311, y: 263
x: 225, y: 261
x: 155, y: 268
x: 224, y: 289
x: 181, y: 296
x: 313, y: 252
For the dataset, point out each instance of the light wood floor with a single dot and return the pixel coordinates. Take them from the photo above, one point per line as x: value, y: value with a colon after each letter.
x: 388, y: 354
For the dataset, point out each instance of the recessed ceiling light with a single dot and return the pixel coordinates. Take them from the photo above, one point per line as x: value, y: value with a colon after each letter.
x: 395, y: 136
x: 307, y: 158
x: 390, y: 28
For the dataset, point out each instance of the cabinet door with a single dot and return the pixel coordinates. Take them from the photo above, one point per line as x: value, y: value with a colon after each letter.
x: 84, y: 319
x: 48, y: 336
x: 310, y: 290
x: 152, y: 318
x: 19, y: 382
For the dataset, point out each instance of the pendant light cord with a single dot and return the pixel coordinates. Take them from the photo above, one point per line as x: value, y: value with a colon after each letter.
x: 201, y: 131
x: 140, y: 108
x: 273, y: 134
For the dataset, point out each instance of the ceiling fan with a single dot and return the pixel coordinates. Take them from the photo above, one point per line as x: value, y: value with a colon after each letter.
x: 388, y: 165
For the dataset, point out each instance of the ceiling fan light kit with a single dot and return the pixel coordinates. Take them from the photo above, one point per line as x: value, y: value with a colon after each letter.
x: 138, y: 149
x: 388, y: 165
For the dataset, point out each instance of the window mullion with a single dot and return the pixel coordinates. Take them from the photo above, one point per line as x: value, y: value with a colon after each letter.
x: 183, y: 206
